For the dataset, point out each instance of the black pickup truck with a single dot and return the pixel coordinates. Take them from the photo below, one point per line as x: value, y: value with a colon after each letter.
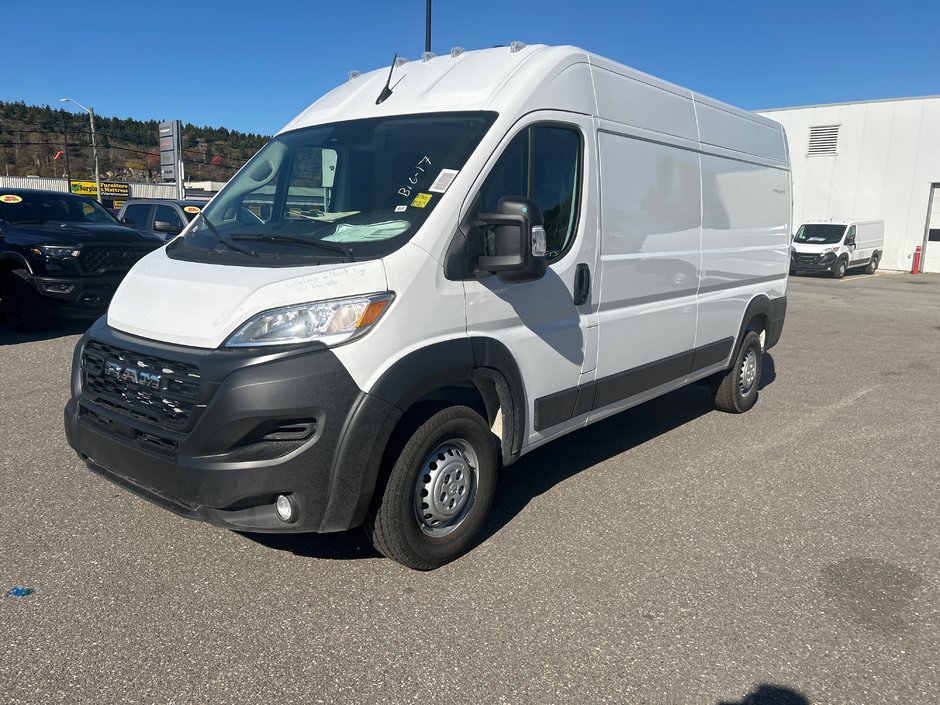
x: 61, y: 252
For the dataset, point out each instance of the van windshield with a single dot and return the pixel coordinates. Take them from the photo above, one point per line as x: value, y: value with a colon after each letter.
x: 350, y: 190
x: 820, y: 233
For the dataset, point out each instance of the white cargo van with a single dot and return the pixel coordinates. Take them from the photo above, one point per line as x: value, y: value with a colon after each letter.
x: 434, y: 269
x: 836, y: 247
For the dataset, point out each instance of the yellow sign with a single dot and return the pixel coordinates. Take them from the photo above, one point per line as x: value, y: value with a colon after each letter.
x: 84, y: 188
x: 421, y: 200
x: 10, y: 198
x: 191, y: 209
x: 108, y: 188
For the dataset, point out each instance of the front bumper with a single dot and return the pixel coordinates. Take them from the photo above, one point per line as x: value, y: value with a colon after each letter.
x: 812, y: 264
x: 260, y: 425
x: 86, y: 293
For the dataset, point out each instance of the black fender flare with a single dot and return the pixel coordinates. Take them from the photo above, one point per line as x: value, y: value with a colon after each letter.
x: 460, y: 361
x: 760, y: 305
x: 370, y: 426
x: 15, y: 257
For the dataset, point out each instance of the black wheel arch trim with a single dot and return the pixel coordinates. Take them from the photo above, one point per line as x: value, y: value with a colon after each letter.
x: 477, y: 361
x: 459, y: 362
x: 16, y: 257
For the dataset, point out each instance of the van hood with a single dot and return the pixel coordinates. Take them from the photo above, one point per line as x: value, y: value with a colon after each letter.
x: 201, y: 305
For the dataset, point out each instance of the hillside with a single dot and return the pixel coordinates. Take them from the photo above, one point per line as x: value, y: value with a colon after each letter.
x: 30, y: 137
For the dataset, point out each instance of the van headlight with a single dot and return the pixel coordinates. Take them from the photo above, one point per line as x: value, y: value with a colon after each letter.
x: 328, y: 322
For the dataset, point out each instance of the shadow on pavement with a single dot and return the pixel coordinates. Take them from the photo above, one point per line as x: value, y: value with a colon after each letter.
x: 57, y: 328
x: 766, y: 694
x: 541, y: 469
x: 341, y: 546
x: 545, y: 467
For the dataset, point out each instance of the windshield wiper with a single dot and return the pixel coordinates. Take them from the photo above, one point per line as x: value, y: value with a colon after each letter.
x: 224, y: 241
x: 286, y: 239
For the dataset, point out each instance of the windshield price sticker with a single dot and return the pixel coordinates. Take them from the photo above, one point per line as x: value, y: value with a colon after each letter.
x: 191, y: 209
x: 10, y: 198
x: 421, y: 200
x: 443, y: 180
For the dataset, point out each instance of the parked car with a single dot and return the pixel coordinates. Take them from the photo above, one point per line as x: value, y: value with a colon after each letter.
x: 410, y: 287
x: 836, y: 247
x: 60, y: 251
x: 163, y: 218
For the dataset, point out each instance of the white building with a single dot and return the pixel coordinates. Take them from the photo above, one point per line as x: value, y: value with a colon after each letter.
x: 875, y: 160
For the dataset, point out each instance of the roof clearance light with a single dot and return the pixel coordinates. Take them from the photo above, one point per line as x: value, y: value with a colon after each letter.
x: 400, y: 61
x: 427, y: 56
x: 516, y: 46
x: 353, y: 75
x: 456, y: 51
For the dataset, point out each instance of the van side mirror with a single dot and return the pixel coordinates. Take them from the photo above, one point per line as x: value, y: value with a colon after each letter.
x: 850, y: 240
x: 518, y: 240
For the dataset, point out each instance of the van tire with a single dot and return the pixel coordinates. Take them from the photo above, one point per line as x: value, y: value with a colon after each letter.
x: 735, y: 391
x: 872, y: 264
x: 839, y: 271
x: 20, y: 304
x: 454, y: 443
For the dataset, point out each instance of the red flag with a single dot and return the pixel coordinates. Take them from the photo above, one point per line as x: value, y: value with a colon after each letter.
x: 58, y: 154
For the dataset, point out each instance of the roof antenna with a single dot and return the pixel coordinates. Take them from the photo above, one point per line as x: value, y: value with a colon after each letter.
x: 386, y: 91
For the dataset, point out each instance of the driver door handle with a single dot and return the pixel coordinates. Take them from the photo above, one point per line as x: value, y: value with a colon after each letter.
x: 582, y: 284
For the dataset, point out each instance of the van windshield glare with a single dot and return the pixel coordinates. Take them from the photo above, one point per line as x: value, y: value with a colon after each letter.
x: 362, y: 186
x: 820, y: 233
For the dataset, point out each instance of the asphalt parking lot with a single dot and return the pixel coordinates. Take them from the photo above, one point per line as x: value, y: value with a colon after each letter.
x: 671, y: 554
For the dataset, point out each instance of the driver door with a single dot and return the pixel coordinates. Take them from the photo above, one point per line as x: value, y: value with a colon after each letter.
x: 549, y: 325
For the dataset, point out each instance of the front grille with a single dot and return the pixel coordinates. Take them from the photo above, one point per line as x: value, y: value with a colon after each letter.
x: 144, y: 388
x: 99, y: 258
x: 806, y: 259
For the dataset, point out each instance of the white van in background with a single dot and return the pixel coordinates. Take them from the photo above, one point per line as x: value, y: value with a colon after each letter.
x: 836, y: 247
x: 434, y: 269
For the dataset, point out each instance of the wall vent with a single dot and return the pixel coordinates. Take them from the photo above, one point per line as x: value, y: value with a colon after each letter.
x: 823, y: 139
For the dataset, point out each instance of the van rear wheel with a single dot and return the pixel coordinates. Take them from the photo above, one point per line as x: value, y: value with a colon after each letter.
x: 438, y: 493
x: 735, y: 391
x: 872, y: 265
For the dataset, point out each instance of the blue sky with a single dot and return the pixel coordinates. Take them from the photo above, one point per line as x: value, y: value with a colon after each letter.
x: 253, y: 66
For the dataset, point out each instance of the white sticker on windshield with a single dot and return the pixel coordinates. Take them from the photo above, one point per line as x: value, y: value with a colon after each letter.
x: 443, y: 180
x: 401, y: 209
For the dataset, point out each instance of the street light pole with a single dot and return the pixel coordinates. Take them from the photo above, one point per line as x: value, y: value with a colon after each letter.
x: 94, y: 144
x: 65, y: 134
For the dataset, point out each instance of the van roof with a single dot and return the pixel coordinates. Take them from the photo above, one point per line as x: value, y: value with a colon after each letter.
x: 514, y: 81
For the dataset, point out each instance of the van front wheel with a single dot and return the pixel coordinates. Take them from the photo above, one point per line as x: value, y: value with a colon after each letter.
x: 736, y: 389
x: 839, y: 271
x: 439, y: 491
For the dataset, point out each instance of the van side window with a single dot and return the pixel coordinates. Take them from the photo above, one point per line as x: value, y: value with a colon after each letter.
x: 850, y: 234
x: 543, y: 163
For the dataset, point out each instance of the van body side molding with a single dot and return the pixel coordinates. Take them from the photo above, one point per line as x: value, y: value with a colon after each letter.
x: 564, y: 405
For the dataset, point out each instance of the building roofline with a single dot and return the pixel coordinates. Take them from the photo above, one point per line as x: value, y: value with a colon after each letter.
x: 849, y: 102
